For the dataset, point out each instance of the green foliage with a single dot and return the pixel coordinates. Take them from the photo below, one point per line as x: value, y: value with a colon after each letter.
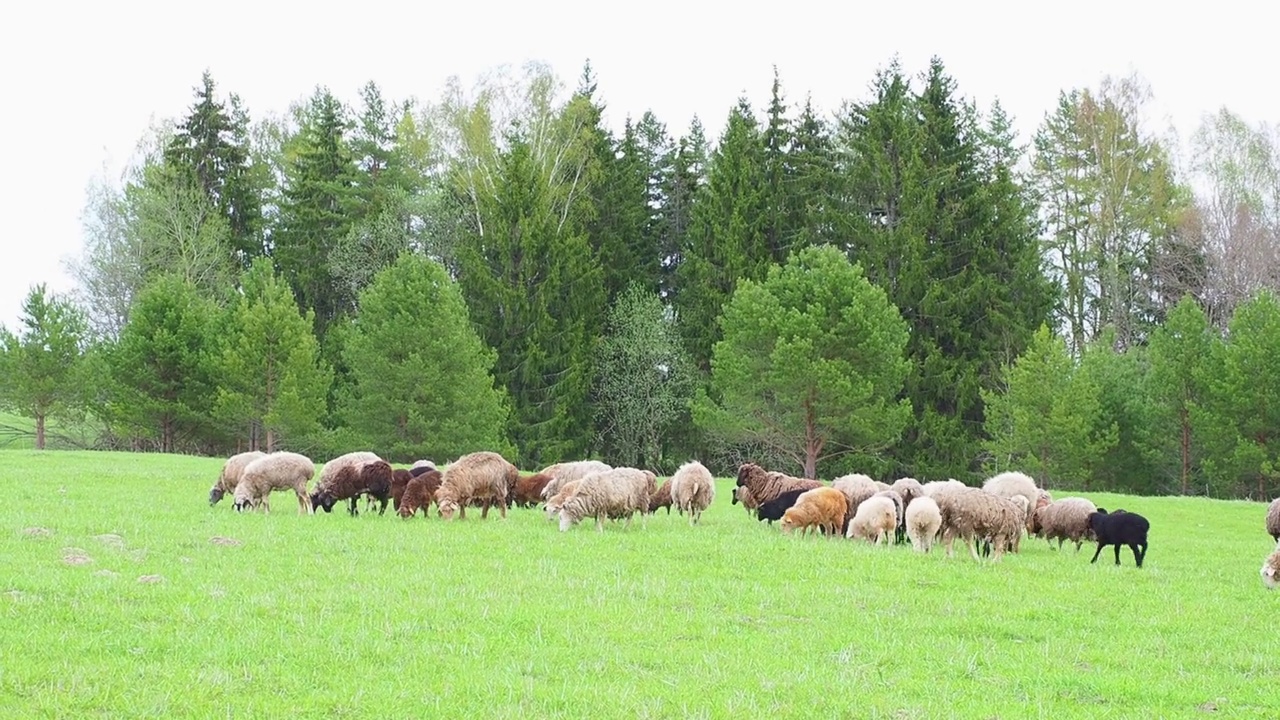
x: 421, y: 377
x: 811, y: 363
x: 41, y: 364
x: 272, y: 381
x: 1248, y: 390
x: 643, y: 379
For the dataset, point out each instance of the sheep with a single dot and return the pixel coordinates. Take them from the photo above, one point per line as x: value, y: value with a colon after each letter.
x: 743, y: 495
x: 349, y: 476
x: 765, y: 485
x: 692, y: 490
x: 777, y: 507
x: 819, y: 509
x: 973, y: 514
x: 1271, y: 569
x: 875, y: 520
x: 856, y: 488
x: 661, y: 498
x: 419, y: 493
x: 399, y: 481
x: 527, y: 490
x: 555, y: 502
x: 276, y: 471
x: 484, y: 476
x: 1009, y: 484
x: 924, y: 518
x: 933, y: 488
x: 230, y: 476
x: 422, y: 466
x: 1065, y: 519
x: 562, y: 473
x: 1273, y: 519
x: 1120, y: 528
x: 616, y: 493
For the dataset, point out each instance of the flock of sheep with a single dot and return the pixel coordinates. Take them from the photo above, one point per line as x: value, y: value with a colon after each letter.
x: 854, y: 506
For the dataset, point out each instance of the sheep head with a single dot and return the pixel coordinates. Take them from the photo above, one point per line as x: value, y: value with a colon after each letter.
x: 243, y: 504
x: 323, y: 500
x: 215, y: 495
x: 1271, y: 570
x: 447, y: 507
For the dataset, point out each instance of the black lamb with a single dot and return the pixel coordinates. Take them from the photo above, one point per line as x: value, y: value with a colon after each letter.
x: 1120, y: 528
x: 774, y: 509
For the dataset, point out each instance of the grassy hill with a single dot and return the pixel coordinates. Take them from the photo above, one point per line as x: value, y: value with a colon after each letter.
x: 123, y: 594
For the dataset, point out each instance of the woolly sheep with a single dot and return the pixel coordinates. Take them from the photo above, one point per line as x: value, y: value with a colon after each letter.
x: 1119, y: 528
x: 555, y: 502
x: 924, y: 519
x: 422, y: 465
x: 1009, y: 484
x: 743, y: 495
x: 1271, y: 569
x: 856, y: 488
x: 692, y: 490
x: 935, y: 487
x: 777, y: 507
x: 1273, y: 520
x: 484, y: 476
x: 399, y: 481
x: 1065, y: 519
x: 419, y: 493
x: 661, y: 498
x: 875, y: 520
x: 821, y: 508
x: 973, y: 514
x: 230, y: 476
x: 562, y: 473
x: 277, y: 471
x: 527, y: 491
x: 349, y: 476
x: 616, y: 493
x: 765, y: 485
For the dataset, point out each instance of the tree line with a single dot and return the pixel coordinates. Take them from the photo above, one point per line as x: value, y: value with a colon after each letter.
x: 895, y: 287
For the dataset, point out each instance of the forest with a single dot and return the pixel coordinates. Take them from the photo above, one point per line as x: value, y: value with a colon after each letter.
x: 896, y: 286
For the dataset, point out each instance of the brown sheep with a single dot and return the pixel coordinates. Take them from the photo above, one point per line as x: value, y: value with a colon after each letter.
x: 692, y: 489
x: 1065, y: 519
x: 419, y: 493
x: 661, y: 498
x: 484, y: 476
x: 821, y: 508
x: 972, y: 514
x: 230, y: 476
x: 349, y: 476
x: 1271, y: 570
x: 617, y: 493
x: 527, y: 491
x: 765, y: 485
x: 277, y: 471
x: 875, y: 520
x: 399, y: 481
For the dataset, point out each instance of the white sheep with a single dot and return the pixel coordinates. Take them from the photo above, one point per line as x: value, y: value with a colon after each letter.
x: 616, y: 493
x: 875, y: 520
x: 692, y: 490
x: 561, y: 473
x: 1011, y: 484
x: 1271, y: 569
x: 924, y: 519
x: 230, y: 476
x: 277, y: 471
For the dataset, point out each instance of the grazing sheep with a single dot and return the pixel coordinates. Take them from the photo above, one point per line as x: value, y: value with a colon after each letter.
x: 562, y: 473
x: 484, y: 476
x: 399, y: 481
x: 1065, y: 519
x: 924, y: 519
x: 422, y: 465
x: 1120, y: 528
x: 765, y: 485
x: 527, y: 492
x: 230, y: 477
x: 661, y: 498
x: 1273, y: 519
x: 349, y: 476
x: 856, y: 488
x: 743, y: 495
x: 419, y: 493
x: 276, y: 471
x: 935, y: 487
x: 875, y: 520
x: 692, y: 490
x: 973, y: 514
x: 1271, y: 570
x: 616, y: 493
x: 555, y: 502
x: 777, y: 507
x: 1010, y: 484
x: 821, y: 508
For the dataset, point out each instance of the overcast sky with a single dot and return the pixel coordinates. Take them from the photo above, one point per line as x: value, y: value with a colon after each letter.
x: 81, y: 85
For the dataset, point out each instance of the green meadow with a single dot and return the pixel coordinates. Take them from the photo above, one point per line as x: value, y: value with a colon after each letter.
x: 124, y: 595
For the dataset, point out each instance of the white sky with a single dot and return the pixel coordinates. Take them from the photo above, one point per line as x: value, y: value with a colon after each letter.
x: 81, y: 85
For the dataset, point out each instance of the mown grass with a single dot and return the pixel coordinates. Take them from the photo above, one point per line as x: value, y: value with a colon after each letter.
x: 339, y: 617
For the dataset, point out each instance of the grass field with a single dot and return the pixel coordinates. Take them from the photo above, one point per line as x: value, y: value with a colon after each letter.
x: 123, y: 594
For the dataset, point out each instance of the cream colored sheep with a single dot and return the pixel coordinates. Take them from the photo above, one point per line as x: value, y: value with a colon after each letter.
x: 230, y: 476
x: 934, y: 487
x: 1271, y: 569
x: 483, y: 476
x: 973, y: 514
x: 821, y: 508
x: 1011, y: 484
x: 562, y: 473
x: 924, y: 519
x: 1273, y: 520
x: 856, y: 488
x: 555, y: 502
x: 276, y: 471
x: 1065, y: 519
x: 692, y: 490
x: 616, y: 493
x: 876, y: 519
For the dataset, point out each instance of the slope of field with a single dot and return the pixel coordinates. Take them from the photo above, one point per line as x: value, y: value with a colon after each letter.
x: 123, y: 594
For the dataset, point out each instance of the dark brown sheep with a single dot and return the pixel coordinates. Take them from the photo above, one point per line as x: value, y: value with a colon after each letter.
x: 766, y: 485
x: 349, y: 476
x: 661, y: 498
x: 527, y: 491
x: 419, y: 494
x: 399, y: 481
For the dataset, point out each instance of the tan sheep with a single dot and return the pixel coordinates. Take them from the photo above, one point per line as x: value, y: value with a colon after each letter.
x: 743, y: 495
x: 484, y: 476
x: 973, y: 514
x: 765, y: 485
x: 1273, y: 520
x: 692, y: 490
x: 1271, y: 569
x: 561, y: 473
x: 230, y: 476
x: 821, y: 508
x: 856, y: 488
x: 277, y: 471
x: 1011, y: 484
x: 924, y: 519
x: 1065, y: 519
x: 555, y: 502
x: 876, y: 519
x: 617, y: 493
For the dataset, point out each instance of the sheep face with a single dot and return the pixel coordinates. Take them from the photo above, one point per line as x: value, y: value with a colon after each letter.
x: 243, y: 504
x: 1271, y: 570
x: 323, y: 500
x: 447, y: 508
x: 215, y: 495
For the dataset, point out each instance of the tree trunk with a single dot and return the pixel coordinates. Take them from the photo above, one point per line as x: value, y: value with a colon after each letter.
x: 271, y: 440
x: 39, y: 431
x: 813, y: 443
x: 1186, y: 450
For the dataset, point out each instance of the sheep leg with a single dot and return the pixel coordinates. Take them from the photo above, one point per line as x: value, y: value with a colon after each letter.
x: 600, y: 523
x: 948, y: 538
x: 1096, y: 553
x: 1117, y: 547
x: 502, y: 509
x: 1137, y: 556
x: 972, y: 542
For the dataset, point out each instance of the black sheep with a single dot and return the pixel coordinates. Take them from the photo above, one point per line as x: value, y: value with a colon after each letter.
x: 774, y: 509
x: 1120, y: 528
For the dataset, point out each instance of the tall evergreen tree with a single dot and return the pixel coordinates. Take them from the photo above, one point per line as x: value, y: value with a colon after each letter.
x: 41, y: 364
x: 777, y: 170
x: 679, y: 188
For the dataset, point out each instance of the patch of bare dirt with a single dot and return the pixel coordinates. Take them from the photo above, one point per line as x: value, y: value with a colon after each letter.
x: 75, y: 556
x: 150, y: 579
x: 37, y: 532
x: 224, y: 541
x: 110, y: 540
